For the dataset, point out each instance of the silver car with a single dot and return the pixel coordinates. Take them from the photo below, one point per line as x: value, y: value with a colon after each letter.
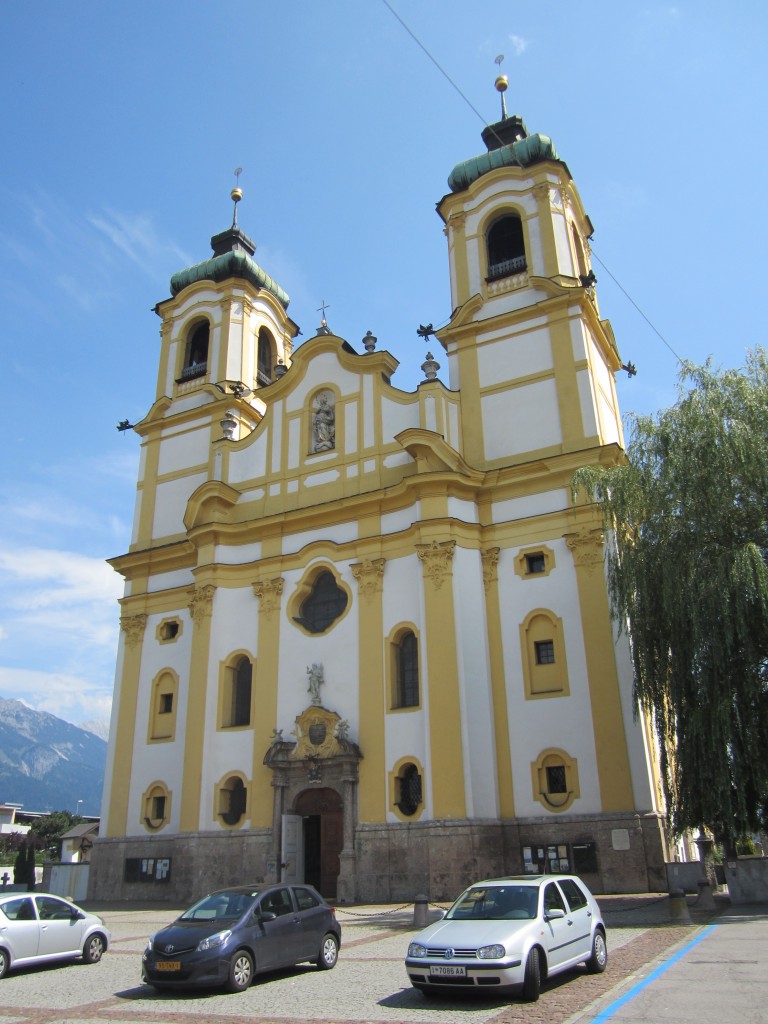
x: 510, y: 934
x: 37, y: 926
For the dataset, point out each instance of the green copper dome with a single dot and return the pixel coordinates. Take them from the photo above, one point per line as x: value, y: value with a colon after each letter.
x: 235, y: 263
x: 232, y: 257
x: 521, y: 153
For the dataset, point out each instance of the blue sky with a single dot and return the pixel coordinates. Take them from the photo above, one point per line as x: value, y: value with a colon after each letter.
x: 123, y: 124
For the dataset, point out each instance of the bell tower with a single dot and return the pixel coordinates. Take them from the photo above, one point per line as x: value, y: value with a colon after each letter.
x: 526, y: 346
x: 225, y: 337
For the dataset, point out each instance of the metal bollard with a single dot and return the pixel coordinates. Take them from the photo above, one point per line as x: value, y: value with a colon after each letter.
x: 678, y: 907
x: 420, y: 906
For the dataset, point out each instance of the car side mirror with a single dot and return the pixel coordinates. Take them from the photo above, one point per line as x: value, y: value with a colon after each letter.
x: 77, y: 915
x: 554, y: 914
x: 267, y: 915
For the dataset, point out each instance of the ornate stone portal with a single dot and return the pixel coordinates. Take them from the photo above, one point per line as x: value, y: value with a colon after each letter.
x: 322, y: 756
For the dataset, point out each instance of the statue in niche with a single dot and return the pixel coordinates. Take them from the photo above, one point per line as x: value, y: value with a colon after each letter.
x: 316, y: 680
x: 323, y: 423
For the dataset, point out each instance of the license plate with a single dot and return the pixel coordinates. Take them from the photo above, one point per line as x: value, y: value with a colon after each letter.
x: 168, y: 965
x: 448, y: 971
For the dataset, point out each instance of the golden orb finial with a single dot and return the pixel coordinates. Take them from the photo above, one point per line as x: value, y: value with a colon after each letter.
x: 502, y: 84
x: 236, y: 194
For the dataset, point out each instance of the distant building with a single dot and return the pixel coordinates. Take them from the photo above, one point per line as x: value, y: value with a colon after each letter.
x: 8, y: 822
x: 366, y: 638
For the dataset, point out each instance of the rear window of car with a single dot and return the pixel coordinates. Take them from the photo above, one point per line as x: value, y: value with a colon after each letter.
x: 306, y: 899
x: 574, y: 895
x: 19, y: 910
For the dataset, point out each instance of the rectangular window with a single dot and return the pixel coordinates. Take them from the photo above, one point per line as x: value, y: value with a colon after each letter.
x: 166, y: 704
x: 535, y: 563
x: 556, y: 782
x: 158, y: 808
x: 545, y: 652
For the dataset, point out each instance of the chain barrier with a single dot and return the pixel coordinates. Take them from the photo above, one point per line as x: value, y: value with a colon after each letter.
x: 378, y: 913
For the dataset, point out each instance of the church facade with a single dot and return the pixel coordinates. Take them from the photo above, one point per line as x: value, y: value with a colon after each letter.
x: 366, y: 638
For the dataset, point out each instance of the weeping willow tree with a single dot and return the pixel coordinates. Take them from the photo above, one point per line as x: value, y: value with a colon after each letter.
x: 688, y: 515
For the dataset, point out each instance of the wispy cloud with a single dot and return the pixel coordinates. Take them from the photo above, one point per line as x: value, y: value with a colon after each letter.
x: 71, y: 697
x: 136, y: 237
x: 518, y: 44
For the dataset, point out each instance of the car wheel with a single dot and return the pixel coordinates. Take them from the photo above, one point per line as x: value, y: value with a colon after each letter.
x: 240, y: 972
x: 329, y: 952
x: 598, y: 961
x: 94, y: 947
x: 4, y: 960
x: 532, y: 976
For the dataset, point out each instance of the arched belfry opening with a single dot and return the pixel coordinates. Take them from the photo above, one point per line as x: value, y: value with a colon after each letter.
x: 315, y: 815
x: 506, y: 247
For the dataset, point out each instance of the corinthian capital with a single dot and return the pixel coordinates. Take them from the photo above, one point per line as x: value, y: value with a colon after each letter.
x: 133, y: 626
x: 586, y: 546
x: 369, y: 575
x: 436, y: 558
x: 201, y: 602
x: 269, y: 593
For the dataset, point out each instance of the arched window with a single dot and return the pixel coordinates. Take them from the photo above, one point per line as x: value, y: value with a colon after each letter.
x: 196, y: 355
x: 237, y: 687
x: 232, y: 798
x: 324, y: 605
x: 405, y: 652
x: 162, y: 716
x: 408, y: 796
x: 265, y: 356
x: 555, y: 780
x: 506, y: 247
x: 156, y: 806
x: 545, y: 671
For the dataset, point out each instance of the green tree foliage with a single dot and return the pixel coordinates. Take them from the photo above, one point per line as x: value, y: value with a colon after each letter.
x: 48, y: 830
x: 688, y: 513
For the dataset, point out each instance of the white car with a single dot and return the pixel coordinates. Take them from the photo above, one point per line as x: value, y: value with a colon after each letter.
x: 510, y: 934
x: 37, y: 926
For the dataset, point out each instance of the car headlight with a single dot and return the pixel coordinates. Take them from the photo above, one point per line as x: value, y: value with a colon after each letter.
x: 417, y: 950
x: 149, y: 944
x: 494, y: 952
x: 213, y: 940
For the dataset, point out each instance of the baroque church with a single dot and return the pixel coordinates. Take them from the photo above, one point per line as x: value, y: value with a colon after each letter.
x: 366, y: 639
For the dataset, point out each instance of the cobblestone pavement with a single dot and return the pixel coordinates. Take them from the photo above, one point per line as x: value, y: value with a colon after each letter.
x: 368, y: 986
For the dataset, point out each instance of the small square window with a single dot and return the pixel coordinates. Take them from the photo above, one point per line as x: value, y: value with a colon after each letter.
x: 556, y: 781
x: 545, y: 652
x: 535, y: 562
x: 170, y: 630
x: 166, y: 704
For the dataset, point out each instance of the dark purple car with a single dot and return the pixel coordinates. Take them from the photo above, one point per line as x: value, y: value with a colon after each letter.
x: 233, y: 934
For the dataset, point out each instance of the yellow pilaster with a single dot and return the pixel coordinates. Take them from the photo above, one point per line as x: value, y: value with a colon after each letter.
x: 133, y: 626
x: 446, y: 754
x: 611, y: 752
x: 148, y: 493
x: 201, y: 607
x: 568, y: 397
x: 269, y: 593
x: 371, y: 685
x: 460, y: 262
x: 498, y: 684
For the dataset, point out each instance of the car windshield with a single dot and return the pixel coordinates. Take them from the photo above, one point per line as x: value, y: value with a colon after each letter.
x: 496, y: 903
x: 219, y: 906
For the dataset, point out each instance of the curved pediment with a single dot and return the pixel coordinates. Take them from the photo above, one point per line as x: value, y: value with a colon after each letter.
x: 212, y: 502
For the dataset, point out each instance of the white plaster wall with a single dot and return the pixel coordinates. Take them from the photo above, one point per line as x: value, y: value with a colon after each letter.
x: 452, y: 416
x: 182, y: 450
x: 369, y: 421
x: 470, y: 631
x: 170, y: 373
x: 466, y: 511
x: 396, y: 417
x: 531, y: 505
x: 168, y: 580
x: 339, y: 533
x: 396, y: 522
x: 510, y: 358
x: 171, y: 503
x: 562, y: 246
x: 250, y: 463
x: 587, y: 403
x: 520, y: 421
x: 237, y: 554
x: 564, y: 722
x: 325, y: 367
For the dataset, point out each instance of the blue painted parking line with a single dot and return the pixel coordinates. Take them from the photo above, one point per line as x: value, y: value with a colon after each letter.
x: 609, y: 1011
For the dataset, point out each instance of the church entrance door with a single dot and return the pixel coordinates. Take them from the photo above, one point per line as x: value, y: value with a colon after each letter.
x: 323, y: 815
